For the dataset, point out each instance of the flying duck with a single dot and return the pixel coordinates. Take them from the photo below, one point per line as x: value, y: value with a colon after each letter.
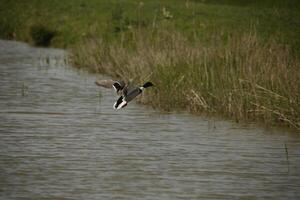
x: 117, y: 85
x: 129, y: 95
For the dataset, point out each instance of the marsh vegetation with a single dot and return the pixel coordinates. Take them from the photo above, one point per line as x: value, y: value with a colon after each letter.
x: 229, y: 58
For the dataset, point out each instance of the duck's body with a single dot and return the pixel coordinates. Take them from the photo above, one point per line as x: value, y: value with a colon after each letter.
x: 129, y: 95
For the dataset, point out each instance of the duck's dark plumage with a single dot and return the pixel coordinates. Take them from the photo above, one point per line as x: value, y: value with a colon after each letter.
x: 129, y: 95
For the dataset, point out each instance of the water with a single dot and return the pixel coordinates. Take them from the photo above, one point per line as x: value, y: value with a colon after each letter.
x: 61, y: 139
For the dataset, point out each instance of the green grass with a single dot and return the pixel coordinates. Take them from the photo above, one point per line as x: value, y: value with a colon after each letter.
x: 241, y: 78
x: 234, y: 58
x: 77, y: 20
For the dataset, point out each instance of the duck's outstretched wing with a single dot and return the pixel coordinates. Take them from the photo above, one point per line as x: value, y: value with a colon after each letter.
x: 105, y: 83
x: 117, y: 85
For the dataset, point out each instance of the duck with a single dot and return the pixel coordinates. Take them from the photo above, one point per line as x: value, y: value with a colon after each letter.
x: 130, y: 94
x: 118, y: 86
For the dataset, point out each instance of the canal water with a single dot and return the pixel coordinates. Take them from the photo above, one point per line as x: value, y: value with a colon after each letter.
x: 60, y: 138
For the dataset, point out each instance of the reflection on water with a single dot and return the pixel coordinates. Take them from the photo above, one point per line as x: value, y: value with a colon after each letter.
x: 61, y: 139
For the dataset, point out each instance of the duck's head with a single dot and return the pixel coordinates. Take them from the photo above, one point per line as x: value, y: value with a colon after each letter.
x: 147, y: 84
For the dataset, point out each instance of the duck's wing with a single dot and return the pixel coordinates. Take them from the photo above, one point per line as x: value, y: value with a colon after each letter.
x: 105, y: 83
x: 120, y: 103
x: 118, y: 85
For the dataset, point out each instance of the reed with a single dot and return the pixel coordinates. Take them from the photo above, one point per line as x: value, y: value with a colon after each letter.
x: 233, y: 58
x: 24, y: 90
x: 287, y: 157
x: 241, y: 77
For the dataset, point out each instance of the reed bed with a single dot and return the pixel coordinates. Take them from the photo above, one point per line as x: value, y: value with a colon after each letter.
x: 232, y: 58
x: 240, y: 77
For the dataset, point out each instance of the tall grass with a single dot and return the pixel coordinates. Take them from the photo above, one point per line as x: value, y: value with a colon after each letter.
x: 231, y: 57
x: 240, y: 77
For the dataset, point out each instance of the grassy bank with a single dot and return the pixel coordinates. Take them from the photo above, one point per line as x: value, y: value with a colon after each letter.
x: 240, y: 77
x: 230, y: 58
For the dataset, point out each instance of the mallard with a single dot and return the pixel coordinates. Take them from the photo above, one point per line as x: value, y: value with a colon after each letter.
x: 117, y: 85
x: 130, y: 94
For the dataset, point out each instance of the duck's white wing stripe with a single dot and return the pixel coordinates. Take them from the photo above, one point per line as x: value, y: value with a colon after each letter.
x: 115, y: 105
x: 121, y: 105
x: 114, y: 88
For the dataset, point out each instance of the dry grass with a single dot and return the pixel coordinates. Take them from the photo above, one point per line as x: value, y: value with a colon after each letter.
x: 240, y: 77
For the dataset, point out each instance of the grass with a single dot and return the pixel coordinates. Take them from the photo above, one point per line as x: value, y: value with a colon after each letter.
x: 240, y: 78
x: 238, y: 59
x: 77, y: 20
